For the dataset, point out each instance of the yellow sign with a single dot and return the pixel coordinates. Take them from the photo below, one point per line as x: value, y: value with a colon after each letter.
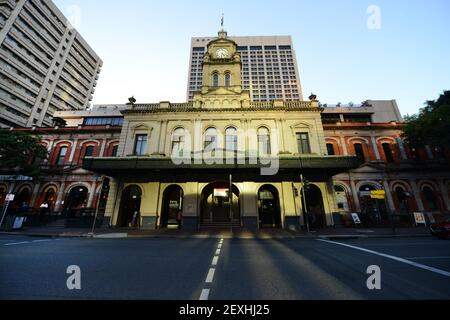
x: 378, y: 194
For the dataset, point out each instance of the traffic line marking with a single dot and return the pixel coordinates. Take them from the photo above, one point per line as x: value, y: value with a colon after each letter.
x: 217, y: 252
x: 16, y: 243
x: 215, y: 261
x: 210, y: 277
x: 205, y: 295
x: 48, y: 240
x: 411, y: 263
x: 219, y: 246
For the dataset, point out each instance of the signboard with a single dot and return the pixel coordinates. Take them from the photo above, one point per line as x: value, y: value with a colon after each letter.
x: 9, y: 197
x: 378, y: 194
x: 356, y: 219
x: 18, y: 223
x: 173, y: 204
x: 221, y: 193
x: 419, y: 217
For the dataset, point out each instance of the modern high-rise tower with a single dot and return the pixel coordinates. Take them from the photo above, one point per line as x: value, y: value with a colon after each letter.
x: 269, y: 67
x: 45, y: 65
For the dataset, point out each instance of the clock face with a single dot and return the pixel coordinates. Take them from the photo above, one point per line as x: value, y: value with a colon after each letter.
x: 222, y: 53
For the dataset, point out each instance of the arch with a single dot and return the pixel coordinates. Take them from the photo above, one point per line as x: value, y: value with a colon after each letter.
x: 430, y: 198
x: 385, y: 138
x: 172, y: 203
x: 342, y: 192
x: 75, y: 204
x: 45, y: 196
x: 429, y: 183
x: 264, y: 141
x: 302, y: 124
x: 374, y: 184
x: 315, y: 209
x: 269, y: 209
x: 399, y: 183
x: 130, y: 203
x: 358, y: 139
x: 88, y: 142
x: 343, y: 185
x: 215, y: 204
x: 22, y: 198
x: 77, y: 184
x: 215, y: 79
x: 227, y: 79
x: 373, y: 211
x: 178, y: 140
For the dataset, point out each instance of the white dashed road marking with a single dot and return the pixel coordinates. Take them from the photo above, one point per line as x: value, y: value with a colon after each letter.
x: 16, y: 243
x: 212, y: 271
x: 411, y: 263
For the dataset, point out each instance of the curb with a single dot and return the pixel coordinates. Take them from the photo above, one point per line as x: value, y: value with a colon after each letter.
x: 128, y: 236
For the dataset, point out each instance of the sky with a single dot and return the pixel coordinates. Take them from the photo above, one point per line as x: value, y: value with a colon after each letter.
x: 347, y: 50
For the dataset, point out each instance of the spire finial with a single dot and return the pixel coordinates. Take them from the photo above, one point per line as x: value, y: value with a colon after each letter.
x: 222, y: 21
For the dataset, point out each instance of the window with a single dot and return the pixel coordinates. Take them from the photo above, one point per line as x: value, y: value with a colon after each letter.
x: 115, y: 149
x: 140, y: 146
x: 303, y: 143
x: 215, y: 79
x: 330, y: 149
x: 388, y: 152
x: 227, y: 79
x: 231, y: 139
x: 264, y: 146
x: 178, y: 141
x: 359, y: 152
x: 89, y: 152
x: 61, y: 156
x: 211, y: 139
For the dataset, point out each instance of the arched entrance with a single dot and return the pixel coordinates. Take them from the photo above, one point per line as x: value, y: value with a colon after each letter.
x: 373, y: 211
x: 129, y: 204
x: 22, y: 200
x: 76, y: 202
x: 341, y: 198
x: 215, y: 204
x: 172, y: 203
x: 269, y: 207
x: 314, y: 206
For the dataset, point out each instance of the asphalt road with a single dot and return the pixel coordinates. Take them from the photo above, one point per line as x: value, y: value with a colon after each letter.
x: 193, y: 269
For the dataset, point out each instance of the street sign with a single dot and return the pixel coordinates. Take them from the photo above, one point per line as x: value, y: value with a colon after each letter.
x: 221, y: 193
x: 419, y: 217
x: 378, y: 194
x: 356, y: 219
x: 9, y: 197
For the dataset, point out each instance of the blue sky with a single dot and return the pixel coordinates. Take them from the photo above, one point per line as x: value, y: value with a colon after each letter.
x: 145, y: 45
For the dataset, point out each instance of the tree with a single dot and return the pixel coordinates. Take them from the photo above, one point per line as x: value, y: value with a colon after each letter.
x: 432, y: 125
x: 21, y: 153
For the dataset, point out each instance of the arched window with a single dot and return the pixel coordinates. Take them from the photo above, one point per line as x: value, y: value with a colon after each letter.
x: 359, y: 152
x: 211, y: 139
x: 215, y: 79
x: 178, y: 141
x: 264, y: 146
x: 430, y: 198
x: 231, y: 139
x: 227, y: 79
x: 61, y: 156
x: 388, y: 152
x: 330, y: 149
x: 89, y: 152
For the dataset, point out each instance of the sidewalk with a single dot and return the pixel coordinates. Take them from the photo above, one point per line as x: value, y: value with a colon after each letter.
x: 329, y: 233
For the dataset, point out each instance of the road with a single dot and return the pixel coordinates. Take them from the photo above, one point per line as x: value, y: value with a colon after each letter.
x: 193, y: 269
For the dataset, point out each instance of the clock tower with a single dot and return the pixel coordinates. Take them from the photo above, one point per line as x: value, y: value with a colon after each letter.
x: 222, y: 83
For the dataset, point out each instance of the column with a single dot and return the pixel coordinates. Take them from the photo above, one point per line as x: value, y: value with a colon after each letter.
x: 344, y: 146
x: 102, y: 149
x: 416, y: 194
x: 35, y: 195
x: 390, y: 201
x: 401, y: 146
x: 355, y: 195
x: 59, y: 199
x: 74, y: 148
x: 92, y: 194
x: 375, y: 148
x: 444, y: 193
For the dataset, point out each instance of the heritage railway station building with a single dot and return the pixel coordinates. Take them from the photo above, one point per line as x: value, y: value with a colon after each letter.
x: 163, y: 158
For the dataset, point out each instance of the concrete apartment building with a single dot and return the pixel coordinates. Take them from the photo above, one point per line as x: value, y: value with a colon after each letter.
x: 269, y: 67
x: 45, y: 64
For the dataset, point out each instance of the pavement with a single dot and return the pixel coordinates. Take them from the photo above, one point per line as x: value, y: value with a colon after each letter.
x: 414, y: 268
x: 237, y: 233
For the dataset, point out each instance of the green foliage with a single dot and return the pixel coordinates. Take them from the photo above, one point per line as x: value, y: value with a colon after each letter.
x: 20, y: 153
x: 432, y: 125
